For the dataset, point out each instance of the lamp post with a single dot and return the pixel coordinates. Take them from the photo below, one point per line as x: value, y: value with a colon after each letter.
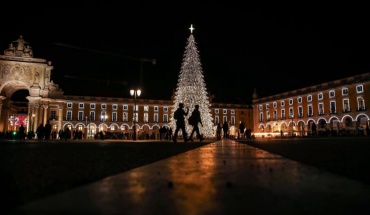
x: 135, y: 93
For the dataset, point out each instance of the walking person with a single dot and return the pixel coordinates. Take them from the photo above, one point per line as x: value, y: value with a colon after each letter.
x: 179, y: 116
x: 218, y: 131
x: 225, y: 128
x: 21, y: 132
x: 194, y: 120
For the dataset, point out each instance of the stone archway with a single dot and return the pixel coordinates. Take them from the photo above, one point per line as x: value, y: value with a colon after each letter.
x: 19, y: 70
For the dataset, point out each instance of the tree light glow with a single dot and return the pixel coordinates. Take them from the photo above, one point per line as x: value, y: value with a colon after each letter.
x: 191, y: 89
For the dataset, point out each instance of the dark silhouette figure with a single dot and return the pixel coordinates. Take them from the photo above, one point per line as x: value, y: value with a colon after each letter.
x: 179, y: 116
x: 241, y: 130
x: 313, y: 128
x: 194, y: 120
x: 47, y: 130
x: 40, y: 131
x: 225, y: 128
x: 218, y: 131
x: 21, y: 132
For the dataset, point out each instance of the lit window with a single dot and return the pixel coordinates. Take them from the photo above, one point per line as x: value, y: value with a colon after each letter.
x: 331, y: 93
x: 345, y: 91
x: 309, y: 98
x: 359, y: 89
x: 320, y: 96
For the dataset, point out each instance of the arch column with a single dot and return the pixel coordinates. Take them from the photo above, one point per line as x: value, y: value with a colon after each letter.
x: 45, y: 114
x: 60, y: 117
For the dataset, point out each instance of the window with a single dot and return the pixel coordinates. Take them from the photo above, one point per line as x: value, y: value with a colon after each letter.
x: 310, y: 110
x: 344, y: 91
x: 224, y: 118
x: 165, y: 117
x: 69, y: 115
x: 299, y: 100
x: 290, y: 101
x: 225, y: 111
x: 333, y: 108
x: 155, y: 117
x: 291, y: 113
x: 359, y: 89
x: 80, y: 105
x: 155, y: 108
x: 320, y: 96
x: 69, y: 105
x: 146, y: 108
x: 282, y: 114
x: 267, y: 106
x: 80, y: 116
x: 103, y: 116
x: 114, y: 116
x: 146, y: 117
x: 345, y: 105
x: 282, y: 103
x: 114, y: 107
x: 232, y: 120
x: 261, y: 117
x: 360, y: 103
x: 53, y: 114
x: 136, y: 108
x: 125, y: 116
x: 216, y: 111
x: 165, y: 109
x: 274, y: 104
x: 217, y: 120
x: 321, y: 108
x: 261, y: 107
x: 331, y: 93
x: 92, y: 106
x: 92, y: 115
x: 125, y: 107
x: 232, y: 111
x: 300, y: 111
x: 309, y: 98
x: 135, y: 117
x: 275, y: 115
x: 268, y: 115
x: 103, y: 106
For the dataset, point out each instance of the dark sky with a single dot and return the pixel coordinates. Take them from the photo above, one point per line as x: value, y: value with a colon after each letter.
x: 274, y: 48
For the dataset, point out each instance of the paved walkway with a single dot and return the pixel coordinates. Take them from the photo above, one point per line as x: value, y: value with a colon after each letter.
x: 223, y: 177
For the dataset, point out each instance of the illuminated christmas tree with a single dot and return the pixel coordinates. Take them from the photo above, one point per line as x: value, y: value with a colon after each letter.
x: 191, y: 89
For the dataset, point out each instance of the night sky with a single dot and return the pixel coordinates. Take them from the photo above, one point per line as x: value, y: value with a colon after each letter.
x: 95, y: 47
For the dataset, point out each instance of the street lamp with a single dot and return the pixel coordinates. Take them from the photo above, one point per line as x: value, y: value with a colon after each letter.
x: 135, y: 93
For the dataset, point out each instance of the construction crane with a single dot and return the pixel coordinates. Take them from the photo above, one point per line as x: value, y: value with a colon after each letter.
x: 140, y: 60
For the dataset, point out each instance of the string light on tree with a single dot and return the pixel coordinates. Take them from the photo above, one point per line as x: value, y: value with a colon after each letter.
x: 191, y: 89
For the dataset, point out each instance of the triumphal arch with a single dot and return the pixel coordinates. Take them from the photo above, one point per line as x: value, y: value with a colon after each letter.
x: 19, y: 70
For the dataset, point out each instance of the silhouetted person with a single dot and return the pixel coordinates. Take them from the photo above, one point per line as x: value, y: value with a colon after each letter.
x: 40, y: 132
x: 194, y: 121
x: 47, y: 130
x: 241, y: 130
x: 21, y: 132
x: 218, y: 131
x: 179, y: 116
x: 225, y: 128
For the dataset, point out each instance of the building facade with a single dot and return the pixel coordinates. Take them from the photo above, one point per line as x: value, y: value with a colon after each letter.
x: 338, y: 107
x: 86, y: 115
